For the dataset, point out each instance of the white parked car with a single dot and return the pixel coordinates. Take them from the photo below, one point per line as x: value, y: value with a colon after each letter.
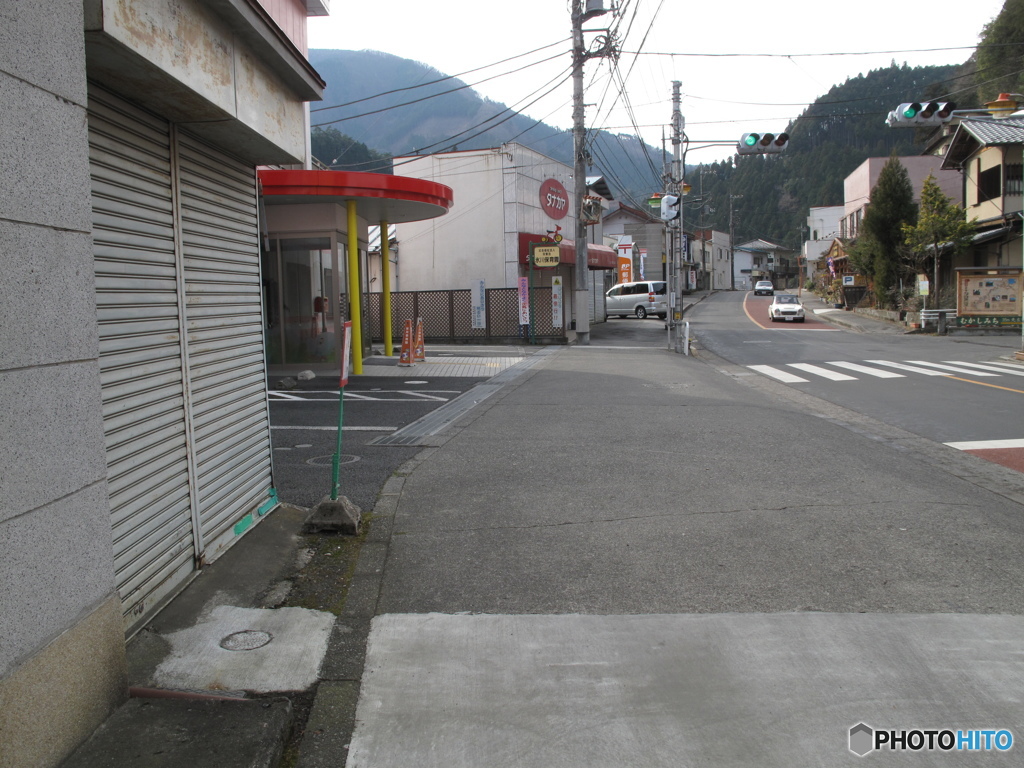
x: 765, y: 287
x: 786, y: 306
x: 649, y: 297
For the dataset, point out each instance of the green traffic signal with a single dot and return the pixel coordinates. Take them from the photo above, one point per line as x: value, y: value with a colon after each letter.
x: 751, y: 139
x: 911, y: 110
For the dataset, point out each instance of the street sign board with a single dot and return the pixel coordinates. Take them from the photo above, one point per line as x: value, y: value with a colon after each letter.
x: 545, y: 255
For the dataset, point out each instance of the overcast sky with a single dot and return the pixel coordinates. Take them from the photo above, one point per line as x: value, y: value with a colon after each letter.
x: 803, y: 49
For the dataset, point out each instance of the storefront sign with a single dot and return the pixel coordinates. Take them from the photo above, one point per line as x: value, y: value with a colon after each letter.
x: 554, y: 199
x: 556, y: 303
x: 545, y: 255
x: 478, y: 292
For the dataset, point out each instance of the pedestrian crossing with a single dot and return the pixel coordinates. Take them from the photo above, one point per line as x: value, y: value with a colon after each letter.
x: 802, y: 373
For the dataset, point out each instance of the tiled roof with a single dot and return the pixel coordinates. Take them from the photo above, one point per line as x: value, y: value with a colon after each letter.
x: 975, y: 133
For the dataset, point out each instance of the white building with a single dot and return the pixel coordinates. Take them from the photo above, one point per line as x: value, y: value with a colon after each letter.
x: 823, y: 226
x: 505, y: 198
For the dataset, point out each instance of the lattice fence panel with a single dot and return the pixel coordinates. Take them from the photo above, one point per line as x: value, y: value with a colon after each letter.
x: 403, y: 307
x: 503, y: 313
x: 462, y: 319
x: 436, y: 311
x: 374, y: 306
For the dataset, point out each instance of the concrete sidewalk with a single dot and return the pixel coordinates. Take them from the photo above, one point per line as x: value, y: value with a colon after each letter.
x: 606, y: 562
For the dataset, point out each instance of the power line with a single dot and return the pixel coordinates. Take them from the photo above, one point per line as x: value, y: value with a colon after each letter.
x: 426, y: 98
x: 805, y: 55
x: 453, y: 77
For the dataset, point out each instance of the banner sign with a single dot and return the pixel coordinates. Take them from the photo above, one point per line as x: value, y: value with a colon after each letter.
x: 625, y: 261
x: 346, y: 350
x: 556, y: 303
x: 478, y: 291
x: 524, y: 300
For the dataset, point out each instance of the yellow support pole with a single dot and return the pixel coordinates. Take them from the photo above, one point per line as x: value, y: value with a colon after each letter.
x: 354, y: 290
x: 385, y: 271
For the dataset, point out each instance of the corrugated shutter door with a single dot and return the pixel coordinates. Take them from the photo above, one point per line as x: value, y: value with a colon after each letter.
x: 227, y: 367
x: 141, y: 359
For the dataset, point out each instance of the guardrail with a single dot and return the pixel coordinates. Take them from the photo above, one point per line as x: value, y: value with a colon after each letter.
x: 937, y: 317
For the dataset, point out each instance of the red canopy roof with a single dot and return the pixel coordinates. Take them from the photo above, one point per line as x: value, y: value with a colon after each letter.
x: 378, y: 196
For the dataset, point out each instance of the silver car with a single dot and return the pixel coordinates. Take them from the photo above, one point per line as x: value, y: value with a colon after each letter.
x: 786, y: 306
x: 765, y: 287
x: 649, y: 297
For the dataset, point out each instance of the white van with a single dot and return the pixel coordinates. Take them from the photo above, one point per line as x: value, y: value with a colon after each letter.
x: 649, y: 297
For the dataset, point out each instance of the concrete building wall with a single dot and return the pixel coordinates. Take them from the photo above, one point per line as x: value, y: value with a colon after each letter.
x: 496, y: 196
x: 857, y: 187
x: 213, y: 74
x: 62, y: 668
x: 467, y: 243
x: 62, y: 643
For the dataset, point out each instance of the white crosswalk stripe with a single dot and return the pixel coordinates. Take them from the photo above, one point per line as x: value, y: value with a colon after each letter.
x: 952, y: 368
x: 997, y: 367
x: 825, y: 373
x: 775, y: 373
x: 905, y: 367
x: 877, y: 373
x: 947, y: 368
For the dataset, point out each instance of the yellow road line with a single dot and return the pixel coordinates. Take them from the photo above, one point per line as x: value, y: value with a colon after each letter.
x: 986, y: 384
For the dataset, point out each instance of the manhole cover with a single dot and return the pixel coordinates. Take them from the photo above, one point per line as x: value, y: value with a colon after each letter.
x: 246, y: 640
x: 328, y: 461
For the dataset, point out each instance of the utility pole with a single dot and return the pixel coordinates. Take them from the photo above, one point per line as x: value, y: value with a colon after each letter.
x: 732, y: 245
x: 581, y: 303
x: 674, y: 187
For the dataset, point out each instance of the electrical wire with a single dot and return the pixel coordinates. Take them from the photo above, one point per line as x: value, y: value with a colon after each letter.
x: 453, y: 77
x: 431, y: 96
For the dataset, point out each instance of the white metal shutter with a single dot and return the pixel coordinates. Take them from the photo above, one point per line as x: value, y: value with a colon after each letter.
x: 226, y: 357
x: 141, y: 355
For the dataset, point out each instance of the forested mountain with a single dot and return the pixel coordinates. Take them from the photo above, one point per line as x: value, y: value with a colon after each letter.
x: 377, y: 105
x: 827, y: 142
x: 399, y: 107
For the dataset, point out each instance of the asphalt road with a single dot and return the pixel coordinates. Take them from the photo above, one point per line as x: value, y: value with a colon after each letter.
x: 945, y: 388
x: 304, y: 432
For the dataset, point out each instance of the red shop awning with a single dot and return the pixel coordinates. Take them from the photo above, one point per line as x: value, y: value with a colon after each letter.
x: 598, y: 256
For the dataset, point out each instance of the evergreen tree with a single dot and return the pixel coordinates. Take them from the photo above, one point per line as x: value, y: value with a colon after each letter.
x: 891, y: 207
x: 941, y: 231
x: 343, y: 153
x: 1000, y: 53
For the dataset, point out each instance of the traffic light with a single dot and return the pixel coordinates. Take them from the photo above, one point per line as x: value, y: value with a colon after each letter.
x: 913, y: 114
x: 762, y: 143
x: 669, y: 207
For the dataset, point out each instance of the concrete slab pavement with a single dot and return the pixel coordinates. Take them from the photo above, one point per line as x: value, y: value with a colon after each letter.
x: 603, y: 691
x: 626, y: 557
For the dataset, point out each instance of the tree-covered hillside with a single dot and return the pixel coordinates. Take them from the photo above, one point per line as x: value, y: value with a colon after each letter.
x: 827, y: 142
x: 377, y: 105
x: 400, y: 107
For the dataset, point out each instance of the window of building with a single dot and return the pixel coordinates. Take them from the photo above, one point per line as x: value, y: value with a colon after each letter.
x: 990, y: 183
x: 1014, y: 179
